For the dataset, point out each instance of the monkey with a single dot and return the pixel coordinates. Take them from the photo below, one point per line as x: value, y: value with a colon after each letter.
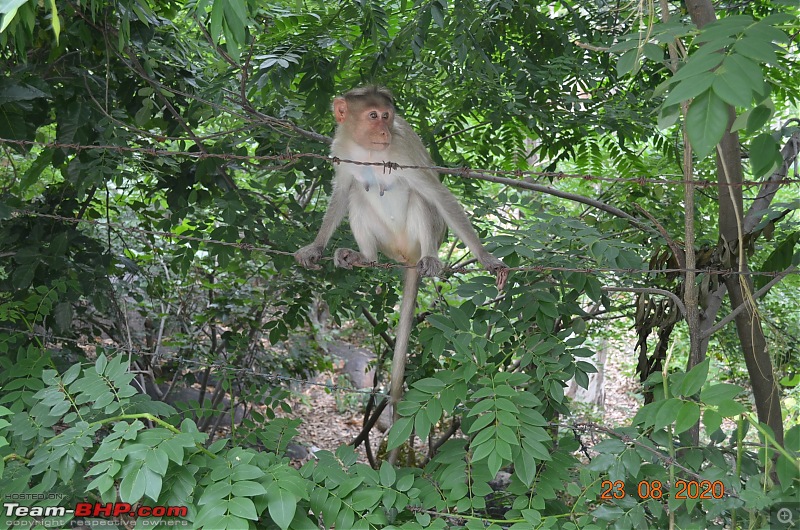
x: 403, y: 213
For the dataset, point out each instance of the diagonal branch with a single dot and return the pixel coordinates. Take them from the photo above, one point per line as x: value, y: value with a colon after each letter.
x: 758, y: 294
x: 771, y: 185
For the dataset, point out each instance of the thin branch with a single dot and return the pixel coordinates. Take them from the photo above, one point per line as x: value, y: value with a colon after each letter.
x: 677, y: 251
x: 374, y: 322
x: 650, y: 290
x: 514, y: 183
x: 771, y: 185
x: 758, y: 294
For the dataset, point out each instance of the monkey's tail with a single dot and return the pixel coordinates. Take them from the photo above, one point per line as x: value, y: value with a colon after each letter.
x: 407, y: 309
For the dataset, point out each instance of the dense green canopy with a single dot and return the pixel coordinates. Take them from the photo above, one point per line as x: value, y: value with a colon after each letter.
x: 161, y: 161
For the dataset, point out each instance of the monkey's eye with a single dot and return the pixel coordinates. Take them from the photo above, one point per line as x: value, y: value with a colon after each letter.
x: 385, y: 115
x: 373, y: 115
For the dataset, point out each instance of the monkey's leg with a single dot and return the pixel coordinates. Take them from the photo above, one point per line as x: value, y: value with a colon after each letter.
x: 425, y: 225
x: 366, y: 230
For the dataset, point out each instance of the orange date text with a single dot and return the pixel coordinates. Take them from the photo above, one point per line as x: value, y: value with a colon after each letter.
x: 653, y: 489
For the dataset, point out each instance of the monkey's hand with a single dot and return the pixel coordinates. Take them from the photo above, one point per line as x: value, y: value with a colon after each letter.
x: 347, y: 258
x: 308, y: 256
x: 496, y: 267
x: 429, y: 266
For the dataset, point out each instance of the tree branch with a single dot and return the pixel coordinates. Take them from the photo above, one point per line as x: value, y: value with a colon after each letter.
x: 771, y: 185
x: 650, y: 290
x: 758, y: 294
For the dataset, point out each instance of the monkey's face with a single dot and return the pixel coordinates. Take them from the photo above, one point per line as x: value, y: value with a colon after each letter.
x: 374, y: 128
x: 370, y: 124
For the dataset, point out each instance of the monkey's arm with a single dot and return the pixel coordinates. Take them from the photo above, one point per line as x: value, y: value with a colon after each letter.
x: 309, y: 255
x: 453, y: 214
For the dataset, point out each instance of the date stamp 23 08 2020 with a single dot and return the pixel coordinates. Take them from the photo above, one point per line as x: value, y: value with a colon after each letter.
x: 782, y: 516
x: 654, y: 489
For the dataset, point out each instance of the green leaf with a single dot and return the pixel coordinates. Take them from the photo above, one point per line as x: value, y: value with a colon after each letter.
x: 730, y: 408
x: 536, y: 449
x: 9, y: 9
x: 157, y: 461
x: 667, y: 413
x: 706, y: 122
x: 422, y: 425
x: 400, y: 432
x: 483, y: 451
x: 693, y: 381
x: 438, y: 14
x: 494, y: 462
x: 429, y: 385
x: 716, y: 394
x: 54, y: 21
x: 34, y: 171
x: 365, y: 499
x: 759, y: 50
x: 733, y: 84
x: 217, y: 13
x: 100, y: 364
x: 632, y: 462
x: 235, y: 21
x: 460, y: 319
x: 330, y: 510
x: 724, y: 27
x: 627, y: 62
x: 697, y: 66
x: 668, y: 116
x: 133, y: 484
x: 248, y: 488
x: 758, y: 117
x: 712, y: 420
x: 688, y: 89
x: 244, y: 508
x: 228, y: 522
x: 765, y: 154
x: 788, y: 471
x: 405, y: 482
x: 281, y: 504
x: 388, y: 474
x: 611, y: 445
x: 440, y: 322
x: 780, y: 258
x: 653, y: 52
x: 688, y: 416
x: 525, y: 468
x: 215, y: 492
x: 626, y: 43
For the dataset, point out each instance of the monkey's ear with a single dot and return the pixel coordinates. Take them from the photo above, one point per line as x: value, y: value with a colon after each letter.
x: 340, y: 109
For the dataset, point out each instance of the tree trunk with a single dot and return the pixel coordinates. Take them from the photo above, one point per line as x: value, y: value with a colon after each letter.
x: 740, y: 287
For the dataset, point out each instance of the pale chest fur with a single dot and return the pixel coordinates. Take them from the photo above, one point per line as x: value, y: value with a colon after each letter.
x: 386, y: 194
x: 383, y: 191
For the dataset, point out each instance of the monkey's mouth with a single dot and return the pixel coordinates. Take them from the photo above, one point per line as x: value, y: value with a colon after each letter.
x: 380, y: 145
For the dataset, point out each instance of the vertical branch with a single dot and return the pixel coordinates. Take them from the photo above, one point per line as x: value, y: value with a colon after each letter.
x: 690, y: 289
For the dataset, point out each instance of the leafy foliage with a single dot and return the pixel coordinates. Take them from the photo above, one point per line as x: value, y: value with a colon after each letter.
x: 152, y: 196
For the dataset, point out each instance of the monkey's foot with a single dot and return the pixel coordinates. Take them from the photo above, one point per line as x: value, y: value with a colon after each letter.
x: 348, y: 258
x: 496, y: 267
x: 429, y: 266
x: 308, y: 257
